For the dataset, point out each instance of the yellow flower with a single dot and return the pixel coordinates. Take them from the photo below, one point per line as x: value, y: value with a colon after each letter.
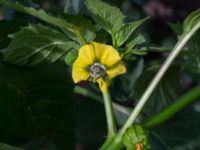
x: 98, y: 63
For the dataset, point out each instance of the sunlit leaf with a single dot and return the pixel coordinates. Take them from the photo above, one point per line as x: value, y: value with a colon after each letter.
x: 108, y: 17
x: 41, y: 14
x: 37, y: 44
x: 86, y: 28
x: 126, y: 31
x: 134, y: 41
x: 191, y: 20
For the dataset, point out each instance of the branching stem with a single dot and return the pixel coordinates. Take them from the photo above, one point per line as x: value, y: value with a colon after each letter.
x: 117, y: 142
x: 185, y: 38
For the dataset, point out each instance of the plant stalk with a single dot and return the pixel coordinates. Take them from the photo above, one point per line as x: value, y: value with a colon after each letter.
x: 185, y: 38
x: 180, y: 44
x: 112, y: 130
x: 169, y: 111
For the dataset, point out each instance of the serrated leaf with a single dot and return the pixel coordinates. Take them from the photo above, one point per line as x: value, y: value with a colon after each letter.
x: 8, y: 147
x: 125, y: 32
x: 41, y: 14
x: 191, y: 21
x: 37, y: 44
x: 177, y: 27
x: 135, y: 40
x: 108, y: 17
x: 86, y: 28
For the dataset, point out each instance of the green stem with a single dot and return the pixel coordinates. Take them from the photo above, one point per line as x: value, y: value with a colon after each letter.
x: 112, y: 130
x: 181, y: 43
x: 169, y: 111
x: 158, y: 77
x: 88, y: 93
x: 113, y: 40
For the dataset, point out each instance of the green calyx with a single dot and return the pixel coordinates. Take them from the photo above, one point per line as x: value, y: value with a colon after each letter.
x: 136, y: 135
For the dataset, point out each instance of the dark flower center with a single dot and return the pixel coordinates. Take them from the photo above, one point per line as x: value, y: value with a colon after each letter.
x: 97, y: 70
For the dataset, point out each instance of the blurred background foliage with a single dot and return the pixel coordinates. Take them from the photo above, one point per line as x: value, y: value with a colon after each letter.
x: 39, y: 110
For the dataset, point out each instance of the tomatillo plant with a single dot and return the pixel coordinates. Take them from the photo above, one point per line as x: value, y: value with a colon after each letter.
x: 82, y: 45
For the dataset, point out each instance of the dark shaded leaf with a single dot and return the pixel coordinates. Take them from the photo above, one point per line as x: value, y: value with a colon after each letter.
x: 90, y: 131
x: 180, y: 133
x: 36, y: 105
x: 166, y: 92
x: 8, y: 147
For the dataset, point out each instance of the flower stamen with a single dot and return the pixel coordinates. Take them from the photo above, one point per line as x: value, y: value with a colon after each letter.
x: 97, y: 70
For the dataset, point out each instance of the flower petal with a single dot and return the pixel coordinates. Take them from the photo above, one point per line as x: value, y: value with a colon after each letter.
x: 106, y: 54
x: 79, y: 74
x: 103, y: 85
x: 86, y: 56
x: 116, y: 69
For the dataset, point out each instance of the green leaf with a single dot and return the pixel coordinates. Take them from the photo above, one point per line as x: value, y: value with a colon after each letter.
x: 41, y: 14
x: 190, y: 58
x: 108, y: 17
x: 166, y: 92
x: 122, y: 87
x: 136, y: 135
x: 8, y: 27
x: 37, y: 44
x: 132, y: 45
x: 86, y: 28
x: 71, y: 57
x: 191, y: 21
x: 179, y: 133
x: 125, y: 32
x: 172, y: 109
x: 177, y: 27
x: 8, y: 147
